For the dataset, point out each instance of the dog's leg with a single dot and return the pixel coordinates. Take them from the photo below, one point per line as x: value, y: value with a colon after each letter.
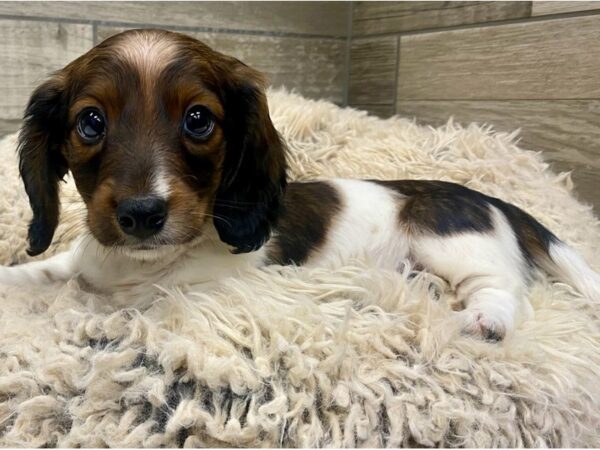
x: 488, y: 272
x: 60, y: 267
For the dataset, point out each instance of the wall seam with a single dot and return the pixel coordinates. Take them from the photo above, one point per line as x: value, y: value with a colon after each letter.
x: 346, y: 87
x: 396, y: 75
x: 200, y: 29
x: 496, y: 23
x: 95, y: 33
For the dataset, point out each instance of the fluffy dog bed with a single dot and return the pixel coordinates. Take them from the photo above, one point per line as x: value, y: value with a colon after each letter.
x: 294, y: 357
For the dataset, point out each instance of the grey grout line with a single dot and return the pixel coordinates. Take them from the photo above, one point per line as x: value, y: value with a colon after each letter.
x: 495, y: 23
x: 530, y: 10
x: 95, y: 33
x: 396, y: 75
x: 371, y: 104
x: 200, y: 29
x: 348, y: 64
x: 573, y: 99
x: 46, y: 19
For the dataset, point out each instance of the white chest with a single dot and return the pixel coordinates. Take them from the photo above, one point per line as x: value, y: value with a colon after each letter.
x: 113, y: 271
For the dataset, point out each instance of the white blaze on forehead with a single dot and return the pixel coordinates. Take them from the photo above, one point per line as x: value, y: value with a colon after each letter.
x: 150, y: 52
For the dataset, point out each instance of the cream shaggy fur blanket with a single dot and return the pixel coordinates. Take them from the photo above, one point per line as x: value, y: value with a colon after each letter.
x: 305, y: 357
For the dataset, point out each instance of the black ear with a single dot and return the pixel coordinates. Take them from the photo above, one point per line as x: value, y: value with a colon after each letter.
x: 40, y: 161
x: 249, y: 198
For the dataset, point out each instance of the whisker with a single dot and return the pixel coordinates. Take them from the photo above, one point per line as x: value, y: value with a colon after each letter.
x: 87, y: 243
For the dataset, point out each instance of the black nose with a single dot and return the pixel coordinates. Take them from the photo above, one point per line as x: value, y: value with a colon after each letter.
x: 142, y: 217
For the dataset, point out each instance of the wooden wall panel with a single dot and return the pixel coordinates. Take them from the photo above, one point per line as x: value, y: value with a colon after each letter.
x: 567, y: 131
x: 550, y: 59
x: 30, y: 51
x: 373, y: 65
x: 8, y: 126
x: 378, y: 17
x: 383, y: 111
x: 314, y: 67
x: 322, y: 18
x: 543, y: 8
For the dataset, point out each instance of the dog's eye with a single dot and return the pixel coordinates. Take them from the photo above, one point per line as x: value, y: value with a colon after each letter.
x: 198, y: 122
x: 91, y: 125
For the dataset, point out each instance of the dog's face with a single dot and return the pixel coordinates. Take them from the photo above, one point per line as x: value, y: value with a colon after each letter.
x: 162, y: 135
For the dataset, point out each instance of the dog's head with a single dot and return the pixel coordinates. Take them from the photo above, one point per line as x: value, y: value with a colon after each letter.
x: 162, y: 135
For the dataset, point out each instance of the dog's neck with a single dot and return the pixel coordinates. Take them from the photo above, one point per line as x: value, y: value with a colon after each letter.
x: 202, y: 261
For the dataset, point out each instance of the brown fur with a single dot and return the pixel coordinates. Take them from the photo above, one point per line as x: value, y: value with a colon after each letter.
x: 309, y: 211
x: 447, y: 208
x: 144, y: 81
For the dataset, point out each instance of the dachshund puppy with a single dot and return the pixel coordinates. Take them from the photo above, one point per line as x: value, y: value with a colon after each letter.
x: 183, y: 176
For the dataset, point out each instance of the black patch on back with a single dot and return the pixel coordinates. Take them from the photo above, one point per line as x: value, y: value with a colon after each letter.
x: 442, y: 208
x: 309, y: 209
x: 448, y: 208
x: 534, y: 239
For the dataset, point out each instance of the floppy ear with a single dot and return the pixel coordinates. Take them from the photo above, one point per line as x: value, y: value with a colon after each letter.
x: 40, y: 162
x: 249, y: 198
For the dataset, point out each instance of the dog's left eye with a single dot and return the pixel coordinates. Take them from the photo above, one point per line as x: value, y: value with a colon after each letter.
x: 198, y: 122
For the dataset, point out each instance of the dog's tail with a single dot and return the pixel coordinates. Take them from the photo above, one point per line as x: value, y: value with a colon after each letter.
x: 567, y: 265
x: 549, y: 253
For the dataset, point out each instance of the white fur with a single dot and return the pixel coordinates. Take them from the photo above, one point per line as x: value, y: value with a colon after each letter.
x: 160, y: 184
x: 60, y: 267
x: 382, y: 358
x: 149, y: 52
x: 120, y: 270
x: 571, y: 267
x: 367, y: 227
x: 487, y: 270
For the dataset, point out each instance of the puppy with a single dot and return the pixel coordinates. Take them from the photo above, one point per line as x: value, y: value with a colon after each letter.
x: 183, y: 176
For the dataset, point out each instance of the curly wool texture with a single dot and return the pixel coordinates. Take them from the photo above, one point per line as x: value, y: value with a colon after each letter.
x: 287, y: 356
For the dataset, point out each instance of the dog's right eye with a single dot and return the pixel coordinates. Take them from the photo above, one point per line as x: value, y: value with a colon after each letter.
x: 91, y: 125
